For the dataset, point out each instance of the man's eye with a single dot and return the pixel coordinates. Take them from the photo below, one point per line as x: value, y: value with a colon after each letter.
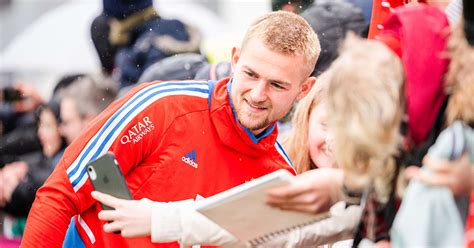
x: 278, y: 86
x: 250, y: 74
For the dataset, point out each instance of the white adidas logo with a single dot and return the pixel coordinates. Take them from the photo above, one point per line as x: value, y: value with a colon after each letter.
x: 190, y: 158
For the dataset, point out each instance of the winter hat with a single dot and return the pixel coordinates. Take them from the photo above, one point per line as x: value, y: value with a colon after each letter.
x: 214, y: 71
x: 121, y: 9
x: 331, y: 19
x: 182, y: 66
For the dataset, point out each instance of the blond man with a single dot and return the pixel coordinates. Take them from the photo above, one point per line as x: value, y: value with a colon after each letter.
x: 181, y: 140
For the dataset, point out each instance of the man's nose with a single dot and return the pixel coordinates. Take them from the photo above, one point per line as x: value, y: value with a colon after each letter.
x: 259, y: 92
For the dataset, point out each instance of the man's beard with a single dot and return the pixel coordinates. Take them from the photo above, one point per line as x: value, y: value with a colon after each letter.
x: 251, y: 122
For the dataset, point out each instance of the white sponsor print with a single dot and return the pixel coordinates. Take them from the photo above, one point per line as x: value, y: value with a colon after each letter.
x: 138, y: 131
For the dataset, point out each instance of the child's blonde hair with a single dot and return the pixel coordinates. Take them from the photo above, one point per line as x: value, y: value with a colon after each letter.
x: 296, y: 141
x: 364, y: 113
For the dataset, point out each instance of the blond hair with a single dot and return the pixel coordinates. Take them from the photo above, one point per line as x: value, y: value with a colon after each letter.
x: 286, y: 33
x: 460, y: 78
x: 365, y: 102
x: 296, y: 141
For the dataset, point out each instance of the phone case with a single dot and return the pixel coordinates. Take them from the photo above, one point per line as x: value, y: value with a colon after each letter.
x: 106, y: 177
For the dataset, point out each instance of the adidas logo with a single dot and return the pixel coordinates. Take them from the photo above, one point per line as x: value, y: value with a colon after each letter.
x: 190, y: 158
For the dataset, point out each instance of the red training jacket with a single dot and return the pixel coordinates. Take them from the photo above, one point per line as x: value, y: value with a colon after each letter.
x: 173, y: 141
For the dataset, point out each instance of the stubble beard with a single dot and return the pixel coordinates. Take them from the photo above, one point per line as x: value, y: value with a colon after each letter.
x: 252, y: 121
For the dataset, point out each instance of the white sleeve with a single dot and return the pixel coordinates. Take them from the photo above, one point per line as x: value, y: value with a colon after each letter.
x: 338, y: 227
x: 178, y: 221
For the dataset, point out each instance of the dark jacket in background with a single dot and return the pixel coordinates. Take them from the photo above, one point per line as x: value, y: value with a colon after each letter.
x: 39, y: 169
x: 331, y: 20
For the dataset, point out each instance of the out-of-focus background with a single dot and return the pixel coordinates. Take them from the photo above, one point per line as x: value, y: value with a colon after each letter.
x: 41, y: 40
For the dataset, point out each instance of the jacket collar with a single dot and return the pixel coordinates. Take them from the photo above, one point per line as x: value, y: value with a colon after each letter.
x: 228, y: 128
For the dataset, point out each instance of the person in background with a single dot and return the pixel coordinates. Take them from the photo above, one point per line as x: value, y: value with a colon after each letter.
x: 319, y: 184
x: 130, y: 36
x: 22, y: 179
x: 437, y: 209
x: 331, y: 20
x: 19, y: 180
x: 366, y: 7
x: 214, y: 71
x: 182, y: 66
x: 17, y: 121
x: 82, y: 101
x: 365, y: 98
x: 356, y: 64
x: 23, y: 138
x: 23, y: 176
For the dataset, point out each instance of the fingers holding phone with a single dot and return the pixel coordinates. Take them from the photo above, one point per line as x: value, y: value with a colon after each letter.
x: 126, y: 216
x: 132, y: 218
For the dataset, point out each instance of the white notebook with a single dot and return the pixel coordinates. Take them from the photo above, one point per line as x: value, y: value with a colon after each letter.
x: 242, y: 210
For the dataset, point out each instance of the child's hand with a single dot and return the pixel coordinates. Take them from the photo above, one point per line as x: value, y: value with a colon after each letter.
x: 312, y: 192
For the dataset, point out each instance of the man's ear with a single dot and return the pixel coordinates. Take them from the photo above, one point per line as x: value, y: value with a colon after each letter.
x: 305, y: 87
x: 235, y: 57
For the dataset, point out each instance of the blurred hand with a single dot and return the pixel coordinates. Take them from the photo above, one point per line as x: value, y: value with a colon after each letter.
x: 2, y: 195
x: 12, y: 175
x: 383, y: 244
x: 31, y: 98
x: 132, y: 218
x: 313, y: 192
x: 17, y: 169
x: 458, y: 175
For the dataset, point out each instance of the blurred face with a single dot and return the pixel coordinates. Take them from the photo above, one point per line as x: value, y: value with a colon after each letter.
x: 48, y: 133
x: 265, y: 84
x: 72, y: 123
x: 319, y: 138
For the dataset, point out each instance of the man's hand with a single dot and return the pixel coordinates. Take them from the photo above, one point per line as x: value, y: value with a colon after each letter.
x: 457, y: 175
x: 312, y: 192
x: 132, y: 218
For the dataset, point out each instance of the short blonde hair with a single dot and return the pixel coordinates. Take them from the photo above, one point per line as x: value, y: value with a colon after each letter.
x: 460, y: 78
x: 286, y: 33
x: 365, y: 101
x: 296, y: 141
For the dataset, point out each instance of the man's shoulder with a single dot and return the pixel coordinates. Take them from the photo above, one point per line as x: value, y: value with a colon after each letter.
x: 178, y: 96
